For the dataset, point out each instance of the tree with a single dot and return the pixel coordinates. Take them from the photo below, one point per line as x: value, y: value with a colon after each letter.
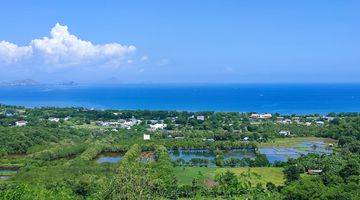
x: 270, y: 186
x: 219, y: 159
x: 352, y: 168
x: 228, y: 184
x: 292, y: 173
x: 307, y: 188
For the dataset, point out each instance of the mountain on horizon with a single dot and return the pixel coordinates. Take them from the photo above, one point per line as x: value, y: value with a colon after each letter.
x: 22, y: 82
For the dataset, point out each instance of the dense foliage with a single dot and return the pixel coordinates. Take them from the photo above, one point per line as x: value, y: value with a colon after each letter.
x: 56, y: 159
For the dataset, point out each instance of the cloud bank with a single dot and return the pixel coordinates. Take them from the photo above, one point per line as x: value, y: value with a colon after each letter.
x: 64, y: 49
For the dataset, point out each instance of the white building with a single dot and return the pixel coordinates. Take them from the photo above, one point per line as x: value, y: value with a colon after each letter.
x: 308, y: 123
x: 327, y: 118
x: 265, y: 116
x: 284, y: 133
x: 208, y: 139
x: 54, y: 119
x: 320, y: 123
x: 146, y: 137
x: 21, y: 123
x: 200, y: 118
x: 254, y: 116
x: 101, y: 123
x: 285, y: 121
x: 159, y: 126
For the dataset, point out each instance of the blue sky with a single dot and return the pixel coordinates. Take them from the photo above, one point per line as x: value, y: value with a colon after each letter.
x: 180, y: 41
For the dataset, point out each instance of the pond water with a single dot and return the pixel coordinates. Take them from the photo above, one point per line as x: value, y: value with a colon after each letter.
x: 115, y: 157
x: 284, y: 153
x: 187, y: 155
x: 273, y: 154
x: 109, y: 157
x: 4, y: 177
x: 7, y: 173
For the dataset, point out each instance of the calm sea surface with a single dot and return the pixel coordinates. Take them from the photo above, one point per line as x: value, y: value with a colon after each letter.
x: 283, y: 98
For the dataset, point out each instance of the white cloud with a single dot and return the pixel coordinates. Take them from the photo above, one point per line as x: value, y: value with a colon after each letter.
x: 64, y: 49
x: 11, y: 53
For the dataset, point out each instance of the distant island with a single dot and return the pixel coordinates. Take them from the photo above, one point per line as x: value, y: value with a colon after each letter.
x: 31, y: 82
x: 23, y: 82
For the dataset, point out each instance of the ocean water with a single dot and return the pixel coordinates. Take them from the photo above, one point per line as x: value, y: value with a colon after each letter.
x: 280, y: 98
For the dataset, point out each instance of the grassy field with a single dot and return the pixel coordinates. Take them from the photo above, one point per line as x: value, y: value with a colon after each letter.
x: 294, y: 141
x: 254, y: 174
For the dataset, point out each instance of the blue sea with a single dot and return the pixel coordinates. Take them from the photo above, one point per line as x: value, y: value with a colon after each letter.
x: 273, y: 98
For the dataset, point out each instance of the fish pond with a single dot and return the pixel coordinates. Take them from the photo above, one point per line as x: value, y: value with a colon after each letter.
x: 109, y: 157
x: 7, y: 173
x: 275, y: 152
x: 115, y: 157
x: 283, y: 153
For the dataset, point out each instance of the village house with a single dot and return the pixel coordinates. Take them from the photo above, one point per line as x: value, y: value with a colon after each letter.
x: 200, y: 118
x: 8, y: 113
x: 284, y: 133
x: 327, y: 118
x: 285, y: 121
x: 208, y: 140
x: 173, y: 119
x: 279, y: 119
x: 67, y: 118
x: 54, y: 119
x: 310, y: 118
x: 101, y: 123
x: 146, y: 137
x: 296, y: 119
x: 308, y: 123
x: 260, y: 116
x: 314, y: 171
x: 21, y: 123
x: 154, y: 121
x: 159, y: 126
x: 265, y: 116
x: 254, y: 116
x: 129, y: 123
x: 320, y: 123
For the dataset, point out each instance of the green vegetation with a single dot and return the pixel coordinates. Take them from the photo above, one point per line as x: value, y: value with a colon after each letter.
x: 256, y: 175
x: 54, y: 155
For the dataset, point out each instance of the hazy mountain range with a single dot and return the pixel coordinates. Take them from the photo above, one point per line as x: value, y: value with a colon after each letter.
x: 31, y: 82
